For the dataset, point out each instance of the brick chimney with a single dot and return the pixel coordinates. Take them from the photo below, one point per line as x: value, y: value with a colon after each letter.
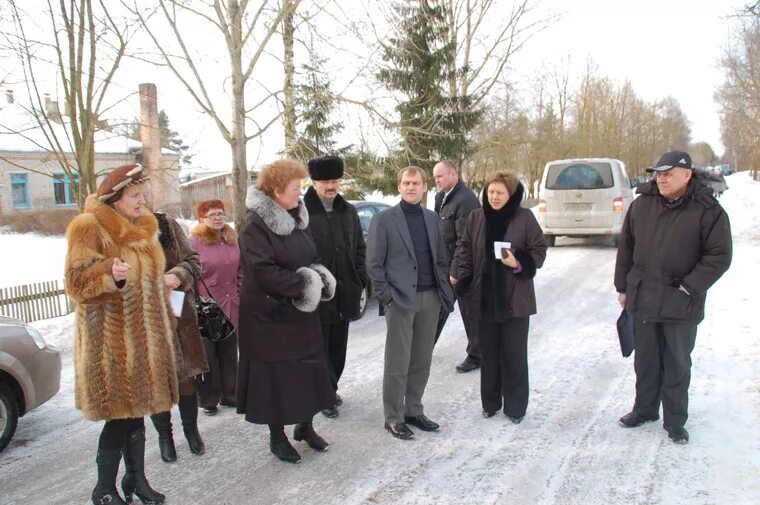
x: 150, y: 136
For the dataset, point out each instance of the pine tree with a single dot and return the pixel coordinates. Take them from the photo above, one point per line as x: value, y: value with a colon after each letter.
x: 314, y: 105
x: 432, y: 124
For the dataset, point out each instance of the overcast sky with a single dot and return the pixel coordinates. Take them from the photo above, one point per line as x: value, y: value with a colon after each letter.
x: 664, y: 47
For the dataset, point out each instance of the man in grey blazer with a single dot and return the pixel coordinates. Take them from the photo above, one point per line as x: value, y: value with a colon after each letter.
x: 408, y: 267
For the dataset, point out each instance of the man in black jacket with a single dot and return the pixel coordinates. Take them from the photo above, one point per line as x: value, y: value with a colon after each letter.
x: 453, y: 203
x: 337, y: 232
x: 675, y: 244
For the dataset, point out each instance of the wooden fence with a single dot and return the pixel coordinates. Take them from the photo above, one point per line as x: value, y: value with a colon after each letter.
x: 32, y: 302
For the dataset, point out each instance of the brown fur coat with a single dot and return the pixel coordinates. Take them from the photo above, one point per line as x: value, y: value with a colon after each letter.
x: 124, y: 357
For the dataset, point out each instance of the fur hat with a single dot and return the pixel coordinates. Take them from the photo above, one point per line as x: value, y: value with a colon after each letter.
x: 119, y: 178
x: 207, y: 205
x: 327, y: 168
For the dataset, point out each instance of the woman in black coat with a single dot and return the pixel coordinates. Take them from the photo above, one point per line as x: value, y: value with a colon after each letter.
x: 498, y: 290
x: 282, y: 375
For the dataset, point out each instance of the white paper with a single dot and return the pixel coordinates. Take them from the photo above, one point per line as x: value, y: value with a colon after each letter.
x: 498, y: 246
x: 176, y: 298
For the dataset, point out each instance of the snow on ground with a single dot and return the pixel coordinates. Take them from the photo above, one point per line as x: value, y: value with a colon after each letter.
x: 568, y: 450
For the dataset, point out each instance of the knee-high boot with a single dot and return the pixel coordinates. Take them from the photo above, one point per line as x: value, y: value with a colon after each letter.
x: 134, y: 481
x: 188, y: 411
x: 105, y: 492
x: 163, y: 424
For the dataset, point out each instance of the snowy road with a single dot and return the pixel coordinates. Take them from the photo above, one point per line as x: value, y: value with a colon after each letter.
x: 569, y: 449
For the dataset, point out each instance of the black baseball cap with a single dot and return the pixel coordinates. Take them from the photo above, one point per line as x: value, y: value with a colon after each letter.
x: 670, y: 160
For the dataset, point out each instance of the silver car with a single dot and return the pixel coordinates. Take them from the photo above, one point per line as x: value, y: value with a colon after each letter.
x: 30, y: 373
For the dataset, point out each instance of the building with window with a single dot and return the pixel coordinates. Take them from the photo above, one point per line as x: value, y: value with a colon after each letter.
x: 32, y: 179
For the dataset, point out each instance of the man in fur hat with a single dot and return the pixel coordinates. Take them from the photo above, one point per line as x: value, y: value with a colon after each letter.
x: 337, y: 231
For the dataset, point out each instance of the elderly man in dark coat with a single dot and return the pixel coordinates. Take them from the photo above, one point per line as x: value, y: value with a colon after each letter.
x: 337, y: 232
x: 454, y: 203
x: 675, y: 244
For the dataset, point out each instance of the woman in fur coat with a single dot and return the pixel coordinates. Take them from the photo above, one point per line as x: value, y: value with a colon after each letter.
x: 124, y: 356
x: 181, y: 261
x: 216, y: 243
x: 498, y: 290
x: 282, y: 376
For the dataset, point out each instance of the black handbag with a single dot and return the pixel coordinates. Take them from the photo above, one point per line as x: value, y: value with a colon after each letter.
x: 213, y: 323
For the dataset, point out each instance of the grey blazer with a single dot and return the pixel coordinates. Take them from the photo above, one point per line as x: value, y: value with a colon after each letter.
x: 392, y: 265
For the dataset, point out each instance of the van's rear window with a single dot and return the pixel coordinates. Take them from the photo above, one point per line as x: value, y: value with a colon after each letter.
x: 592, y: 175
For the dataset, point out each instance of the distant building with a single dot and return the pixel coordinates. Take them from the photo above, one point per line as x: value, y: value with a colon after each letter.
x: 31, y: 178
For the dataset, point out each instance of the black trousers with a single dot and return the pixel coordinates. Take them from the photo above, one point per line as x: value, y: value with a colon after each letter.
x: 218, y: 384
x: 663, y: 368
x: 504, y: 365
x: 336, y: 342
x: 470, y: 329
x: 115, y: 432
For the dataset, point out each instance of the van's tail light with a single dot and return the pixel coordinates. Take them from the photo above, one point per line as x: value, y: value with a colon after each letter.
x: 542, y: 205
x: 617, y: 204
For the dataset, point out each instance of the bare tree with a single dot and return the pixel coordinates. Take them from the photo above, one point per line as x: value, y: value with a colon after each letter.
x: 85, y: 45
x: 288, y: 34
x: 238, y: 22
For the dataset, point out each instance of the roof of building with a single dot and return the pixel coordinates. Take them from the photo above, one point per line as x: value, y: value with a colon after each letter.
x: 20, y: 132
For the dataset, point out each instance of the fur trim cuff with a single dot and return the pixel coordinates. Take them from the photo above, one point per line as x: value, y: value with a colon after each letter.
x: 528, y: 264
x: 328, y: 280
x: 311, y: 291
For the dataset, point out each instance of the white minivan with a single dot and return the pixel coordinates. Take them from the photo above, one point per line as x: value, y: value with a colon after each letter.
x: 583, y: 197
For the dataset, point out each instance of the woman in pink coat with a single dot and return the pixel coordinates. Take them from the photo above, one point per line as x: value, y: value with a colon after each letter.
x: 216, y: 242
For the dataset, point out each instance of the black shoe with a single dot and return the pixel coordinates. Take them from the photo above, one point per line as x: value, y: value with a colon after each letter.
x: 466, y: 366
x: 305, y: 432
x: 332, y: 412
x: 338, y: 400
x: 422, y: 422
x: 283, y: 450
x: 634, y: 419
x: 488, y: 413
x: 210, y: 411
x: 399, y: 430
x: 677, y: 434
x: 194, y: 439
x: 134, y: 482
x: 107, y: 461
x: 515, y: 419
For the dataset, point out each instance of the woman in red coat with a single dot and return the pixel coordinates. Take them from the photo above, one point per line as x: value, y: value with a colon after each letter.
x: 217, y: 244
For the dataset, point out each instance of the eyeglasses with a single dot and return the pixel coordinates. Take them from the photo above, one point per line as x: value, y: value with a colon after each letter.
x: 216, y: 215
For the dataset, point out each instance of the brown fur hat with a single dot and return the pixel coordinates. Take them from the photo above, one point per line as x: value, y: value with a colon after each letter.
x: 119, y: 178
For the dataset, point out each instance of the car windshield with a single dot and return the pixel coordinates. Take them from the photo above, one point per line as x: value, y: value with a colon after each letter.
x: 587, y: 175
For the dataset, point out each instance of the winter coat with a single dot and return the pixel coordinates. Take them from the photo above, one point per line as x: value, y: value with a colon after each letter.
x: 524, y: 233
x: 220, y: 266
x: 124, y: 358
x: 282, y: 283
x: 340, y: 247
x: 181, y: 259
x: 664, y: 245
x: 454, y: 213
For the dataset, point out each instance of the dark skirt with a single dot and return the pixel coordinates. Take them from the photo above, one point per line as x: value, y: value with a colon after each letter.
x: 284, y: 392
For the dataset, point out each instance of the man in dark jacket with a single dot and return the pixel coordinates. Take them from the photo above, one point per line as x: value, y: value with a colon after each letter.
x: 453, y: 203
x: 337, y: 232
x: 675, y: 244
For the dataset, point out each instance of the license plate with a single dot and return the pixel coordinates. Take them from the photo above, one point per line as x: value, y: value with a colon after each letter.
x: 578, y: 206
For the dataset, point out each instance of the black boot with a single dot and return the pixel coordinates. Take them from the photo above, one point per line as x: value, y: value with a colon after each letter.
x: 305, y: 432
x: 280, y: 445
x: 163, y: 423
x: 134, y: 481
x: 105, y: 492
x: 188, y: 411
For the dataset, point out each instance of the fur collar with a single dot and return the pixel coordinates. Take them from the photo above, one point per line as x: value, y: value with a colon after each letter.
x: 277, y: 219
x: 208, y: 236
x: 123, y: 231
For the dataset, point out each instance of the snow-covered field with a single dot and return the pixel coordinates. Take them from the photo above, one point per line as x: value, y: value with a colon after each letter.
x: 569, y: 449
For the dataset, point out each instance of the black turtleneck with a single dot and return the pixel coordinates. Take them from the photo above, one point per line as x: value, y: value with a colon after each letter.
x: 415, y: 220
